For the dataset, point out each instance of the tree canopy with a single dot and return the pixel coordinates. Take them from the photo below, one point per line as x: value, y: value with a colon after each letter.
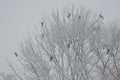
x: 74, y: 45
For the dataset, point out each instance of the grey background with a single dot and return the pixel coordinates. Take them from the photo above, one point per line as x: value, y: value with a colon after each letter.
x: 17, y: 17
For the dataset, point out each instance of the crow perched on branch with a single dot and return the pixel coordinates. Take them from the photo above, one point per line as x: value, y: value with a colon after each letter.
x: 69, y: 15
x: 68, y: 45
x: 41, y: 23
x: 16, y: 54
x: 108, y: 50
x: 42, y: 35
x: 110, y: 53
x: 79, y: 17
x: 51, y: 58
x: 101, y: 16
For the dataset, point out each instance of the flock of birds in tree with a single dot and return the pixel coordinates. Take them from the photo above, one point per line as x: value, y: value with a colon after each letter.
x: 68, y: 45
x: 70, y: 15
x: 78, y: 17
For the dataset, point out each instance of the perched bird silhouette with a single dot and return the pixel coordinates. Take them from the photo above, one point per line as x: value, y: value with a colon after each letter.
x: 108, y: 50
x: 16, y: 54
x: 79, y: 17
x: 68, y: 45
x: 101, y: 16
x: 51, y: 58
x: 69, y: 15
x: 42, y: 35
x: 41, y: 23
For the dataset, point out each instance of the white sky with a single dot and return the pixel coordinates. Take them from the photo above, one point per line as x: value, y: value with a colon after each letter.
x: 17, y: 17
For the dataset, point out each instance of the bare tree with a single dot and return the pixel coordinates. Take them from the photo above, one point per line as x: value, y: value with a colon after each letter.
x: 82, y: 47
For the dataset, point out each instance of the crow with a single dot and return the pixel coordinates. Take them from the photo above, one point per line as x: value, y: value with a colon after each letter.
x: 42, y: 35
x: 69, y: 15
x: 68, y: 45
x: 79, y: 17
x: 51, y: 58
x: 101, y: 16
x: 41, y: 23
x: 108, y: 50
x: 16, y: 54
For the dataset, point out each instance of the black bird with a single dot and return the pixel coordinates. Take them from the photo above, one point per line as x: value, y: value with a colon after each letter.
x: 79, y: 17
x: 16, y: 54
x: 68, y: 45
x: 41, y: 23
x: 108, y: 50
x: 69, y: 15
x: 51, y: 58
x: 42, y: 35
x: 101, y: 16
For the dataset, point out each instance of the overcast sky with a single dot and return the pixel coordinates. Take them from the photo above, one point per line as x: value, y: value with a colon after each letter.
x: 17, y: 17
